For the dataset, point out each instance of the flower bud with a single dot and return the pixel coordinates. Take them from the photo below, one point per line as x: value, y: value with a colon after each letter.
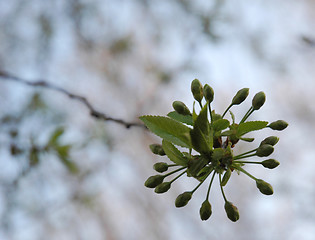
x: 264, y: 187
x: 196, y: 89
x: 226, y: 177
x: 163, y: 187
x: 258, y: 100
x: 183, y: 199
x: 181, y: 108
x: 160, y: 167
x: 270, y: 163
x: 240, y: 96
x: 272, y: 140
x: 153, y: 181
x: 231, y: 211
x: 157, y: 149
x: 208, y: 93
x: 264, y: 150
x: 205, y: 210
x: 278, y: 125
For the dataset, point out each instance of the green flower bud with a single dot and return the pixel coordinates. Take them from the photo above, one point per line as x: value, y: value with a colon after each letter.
x: 258, y: 100
x: 160, y: 167
x: 270, y: 163
x: 226, y: 177
x: 240, y: 96
x: 157, y: 149
x: 196, y: 89
x: 181, y: 108
x: 278, y: 125
x: 264, y: 187
x: 208, y: 93
x: 205, y: 210
x: 183, y: 199
x: 163, y: 187
x: 231, y: 211
x: 264, y: 150
x: 272, y: 140
x: 153, y: 181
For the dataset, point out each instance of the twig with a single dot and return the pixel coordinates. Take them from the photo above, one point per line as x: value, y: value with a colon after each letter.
x: 93, y: 111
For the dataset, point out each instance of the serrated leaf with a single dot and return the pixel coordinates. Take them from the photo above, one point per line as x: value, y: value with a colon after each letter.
x: 173, y: 153
x: 168, y: 129
x: 250, y: 126
x: 220, y: 124
x: 187, y: 119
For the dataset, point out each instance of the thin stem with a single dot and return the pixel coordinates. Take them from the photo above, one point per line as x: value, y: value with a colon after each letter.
x: 246, y: 156
x: 210, y: 186
x: 178, y: 177
x: 227, y: 110
x: 247, y: 162
x: 200, y: 104
x: 197, y: 186
x: 246, y: 152
x: 249, y: 112
x: 172, y: 165
x: 222, y: 188
x: 243, y: 171
x: 211, y: 118
x: 177, y: 170
x: 93, y: 112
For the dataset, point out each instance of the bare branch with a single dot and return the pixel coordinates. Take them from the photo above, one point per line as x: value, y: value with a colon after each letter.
x: 93, y: 111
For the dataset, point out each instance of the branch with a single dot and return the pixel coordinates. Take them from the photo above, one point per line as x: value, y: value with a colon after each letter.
x: 93, y: 111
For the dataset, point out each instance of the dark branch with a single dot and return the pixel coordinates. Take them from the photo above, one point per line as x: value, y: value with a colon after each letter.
x: 93, y: 111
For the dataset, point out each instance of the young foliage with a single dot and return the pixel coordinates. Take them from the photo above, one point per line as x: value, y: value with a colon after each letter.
x: 213, y: 137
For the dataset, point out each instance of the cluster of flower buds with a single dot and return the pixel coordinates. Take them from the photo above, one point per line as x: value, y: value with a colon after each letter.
x: 212, y: 137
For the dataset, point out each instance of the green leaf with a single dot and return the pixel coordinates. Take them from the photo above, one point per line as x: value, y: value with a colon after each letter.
x: 71, y: 166
x: 168, y: 129
x: 200, y: 142
x: 63, y: 151
x: 173, y: 153
x: 187, y: 119
x: 220, y: 124
x: 232, y: 116
x: 195, y: 165
x: 247, y: 127
x: 56, y: 135
x: 34, y: 156
x: 202, y: 121
x: 227, y: 133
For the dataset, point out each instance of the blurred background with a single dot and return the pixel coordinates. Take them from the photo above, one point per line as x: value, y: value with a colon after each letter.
x: 66, y: 175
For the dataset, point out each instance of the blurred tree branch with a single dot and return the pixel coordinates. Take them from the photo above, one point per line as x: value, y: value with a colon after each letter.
x: 93, y: 112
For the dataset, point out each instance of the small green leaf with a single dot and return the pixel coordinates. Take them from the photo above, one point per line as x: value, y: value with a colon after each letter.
x: 247, y: 127
x: 173, y: 153
x: 56, y: 135
x: 220, y: 124
x: 247, y: 139
x: 71, y: 166
x: 200, y: 142
x: 34, y: 156
x: 232, y: 116
x: 168, y: 129
x: 187, y: 119
x: 195, y: 165
x: 202, y: 121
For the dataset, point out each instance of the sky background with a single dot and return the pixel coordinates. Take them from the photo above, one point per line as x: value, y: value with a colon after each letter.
x: 135, y: 57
